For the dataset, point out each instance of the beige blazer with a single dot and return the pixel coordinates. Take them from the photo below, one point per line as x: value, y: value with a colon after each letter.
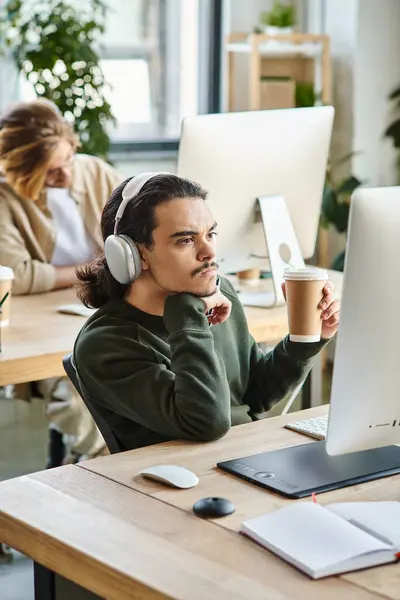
x: 27, y: 232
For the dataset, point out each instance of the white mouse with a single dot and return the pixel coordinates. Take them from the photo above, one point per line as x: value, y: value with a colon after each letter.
x: 171, y: 475
x: 76, y: 309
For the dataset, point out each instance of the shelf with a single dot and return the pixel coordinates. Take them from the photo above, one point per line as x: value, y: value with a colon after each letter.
x: 303, y: 57
x: 276, y: 49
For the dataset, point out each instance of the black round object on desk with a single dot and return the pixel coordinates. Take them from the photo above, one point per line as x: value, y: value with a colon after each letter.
x: 213, y: 507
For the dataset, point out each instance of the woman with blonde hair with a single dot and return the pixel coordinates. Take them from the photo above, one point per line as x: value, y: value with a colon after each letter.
x: 51, y: 201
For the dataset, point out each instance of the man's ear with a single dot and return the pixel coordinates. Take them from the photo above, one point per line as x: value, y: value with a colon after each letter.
x: 143, y: 251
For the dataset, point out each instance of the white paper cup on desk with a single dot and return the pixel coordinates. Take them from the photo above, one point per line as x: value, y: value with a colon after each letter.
x: 6, y: 280
x: 304, y: 291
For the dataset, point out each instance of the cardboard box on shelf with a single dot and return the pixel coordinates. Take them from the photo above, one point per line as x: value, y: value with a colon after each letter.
x: 277, y: 93
x: 299, y: 68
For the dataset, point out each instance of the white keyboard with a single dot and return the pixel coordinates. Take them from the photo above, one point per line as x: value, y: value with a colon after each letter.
x: 315, y: 427
x: 76, y: 309
x: 257, y: 299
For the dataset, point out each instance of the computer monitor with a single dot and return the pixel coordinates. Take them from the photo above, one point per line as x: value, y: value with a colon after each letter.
x: 239, y: 157
x: 365, y: 398
x: 364, y: 421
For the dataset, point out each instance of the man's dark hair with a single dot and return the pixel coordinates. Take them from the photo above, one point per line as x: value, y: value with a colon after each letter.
x: 97, y: 285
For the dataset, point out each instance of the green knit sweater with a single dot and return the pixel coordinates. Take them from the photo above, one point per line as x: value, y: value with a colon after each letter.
x: 173, y: 377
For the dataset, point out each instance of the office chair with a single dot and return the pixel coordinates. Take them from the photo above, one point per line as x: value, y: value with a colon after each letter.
x: 112, y: 442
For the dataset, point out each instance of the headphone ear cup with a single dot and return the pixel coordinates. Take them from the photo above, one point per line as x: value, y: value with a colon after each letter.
x: 136, y: 259
x: 123, y: 258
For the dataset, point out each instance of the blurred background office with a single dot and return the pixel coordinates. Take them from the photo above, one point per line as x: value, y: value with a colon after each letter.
x: 126, y: 73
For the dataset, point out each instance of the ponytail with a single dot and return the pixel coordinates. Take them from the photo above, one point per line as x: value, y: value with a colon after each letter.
x: 97, y: 286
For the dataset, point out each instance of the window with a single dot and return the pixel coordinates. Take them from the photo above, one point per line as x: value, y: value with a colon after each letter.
x: 155, y: 55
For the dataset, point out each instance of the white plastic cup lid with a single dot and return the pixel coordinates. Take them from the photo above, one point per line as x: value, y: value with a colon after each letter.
x: 306, y: 274
x: 6, y: 273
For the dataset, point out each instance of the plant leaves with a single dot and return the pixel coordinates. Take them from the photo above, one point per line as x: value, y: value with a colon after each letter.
x: 329, y: 203
x: 346, y: 158
x: 323, y: 221
x: 395, y: 94
x: 348, y: 185
x: 334, y: 211
x: 342, y: 216
x: 338, y: 263
x: 393, y: 131
x: 59, y: 29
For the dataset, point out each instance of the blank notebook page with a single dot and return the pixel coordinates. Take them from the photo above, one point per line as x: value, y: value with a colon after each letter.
x: 313, y: 536
x: 380, y: 518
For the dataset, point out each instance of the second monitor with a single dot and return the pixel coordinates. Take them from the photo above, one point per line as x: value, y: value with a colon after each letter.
x: 240, y: 157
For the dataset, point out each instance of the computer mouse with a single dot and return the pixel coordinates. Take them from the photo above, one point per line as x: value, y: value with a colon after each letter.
x: 171, y: 475
x: 213, y: 507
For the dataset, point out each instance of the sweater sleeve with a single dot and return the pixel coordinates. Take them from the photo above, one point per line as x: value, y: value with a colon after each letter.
x: 31, y: 276
x: 190, y: 399
x: 276, y: 374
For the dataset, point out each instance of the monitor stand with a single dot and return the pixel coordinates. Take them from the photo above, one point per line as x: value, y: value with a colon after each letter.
x: 283, y: 250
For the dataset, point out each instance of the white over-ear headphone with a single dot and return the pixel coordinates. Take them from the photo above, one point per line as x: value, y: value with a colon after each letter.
x: 122, y: 254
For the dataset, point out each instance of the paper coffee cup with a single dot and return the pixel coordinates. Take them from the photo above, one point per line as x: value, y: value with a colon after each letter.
x: 6, y: 279
x: 304, y: 291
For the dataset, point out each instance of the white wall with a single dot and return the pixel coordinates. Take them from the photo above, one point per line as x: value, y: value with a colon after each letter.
x: 365, y: 46
x: 365, y: 43
x: 376, y: 74
x: 338, y: 19
x: 340, y: 23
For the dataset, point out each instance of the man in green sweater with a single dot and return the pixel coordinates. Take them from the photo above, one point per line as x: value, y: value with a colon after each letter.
x: 168, y: 355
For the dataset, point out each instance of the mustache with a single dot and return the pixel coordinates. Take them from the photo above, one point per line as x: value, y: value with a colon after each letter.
x: 205, y: 267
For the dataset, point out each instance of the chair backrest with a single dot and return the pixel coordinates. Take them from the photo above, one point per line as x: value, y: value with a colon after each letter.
x: 112, y: 442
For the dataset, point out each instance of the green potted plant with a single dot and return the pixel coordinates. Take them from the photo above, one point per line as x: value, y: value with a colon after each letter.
x: 280, y: 20
x: 336, y: 205
x: 305, y: 94
x: 54, y: 44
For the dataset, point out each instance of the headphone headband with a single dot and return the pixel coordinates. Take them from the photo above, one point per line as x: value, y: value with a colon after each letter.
x: 131, y: 190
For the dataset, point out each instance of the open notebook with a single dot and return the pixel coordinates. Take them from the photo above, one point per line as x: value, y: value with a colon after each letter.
x: 328, y: 540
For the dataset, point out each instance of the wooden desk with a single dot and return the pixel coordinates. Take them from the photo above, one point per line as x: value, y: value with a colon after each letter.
x: 39, y: 337
x: 248, y: 499
x: 122, y: 537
